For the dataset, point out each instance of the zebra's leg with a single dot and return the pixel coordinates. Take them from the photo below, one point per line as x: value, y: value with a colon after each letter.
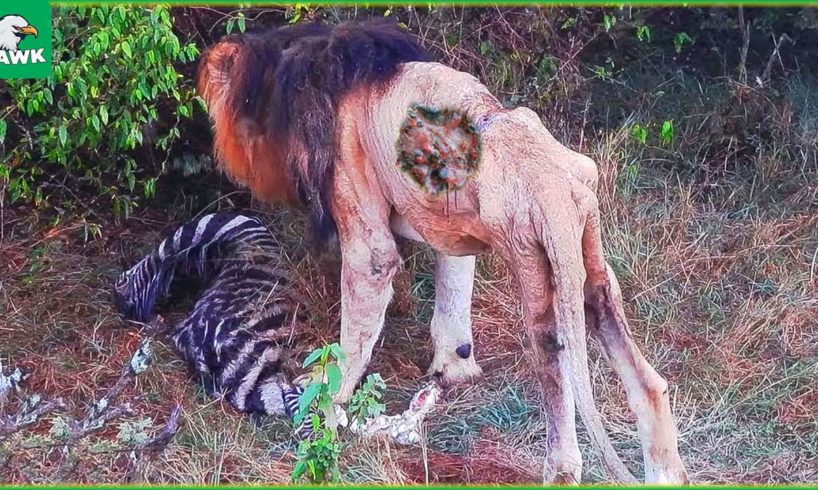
x: 646, y: 390
x: 451, y: 329
x: 209, y: 384
x: 184, y: 336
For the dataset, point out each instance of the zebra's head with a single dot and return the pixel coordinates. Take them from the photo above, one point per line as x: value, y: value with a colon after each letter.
x: 122, y: 300
x: 136, y: 290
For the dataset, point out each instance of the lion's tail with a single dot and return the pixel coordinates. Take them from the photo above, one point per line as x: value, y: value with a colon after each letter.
x: 562, y: 240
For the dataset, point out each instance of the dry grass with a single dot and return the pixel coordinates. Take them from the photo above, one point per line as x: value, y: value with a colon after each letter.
x: 722, y: 299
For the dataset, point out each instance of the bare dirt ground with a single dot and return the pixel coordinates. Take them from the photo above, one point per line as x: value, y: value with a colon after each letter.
x: 721, y: 288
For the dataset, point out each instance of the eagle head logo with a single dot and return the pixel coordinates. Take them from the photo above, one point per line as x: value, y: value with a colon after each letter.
x: 13, y: 28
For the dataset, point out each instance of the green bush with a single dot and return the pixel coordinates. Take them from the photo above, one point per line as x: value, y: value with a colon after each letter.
x: 113, y: 102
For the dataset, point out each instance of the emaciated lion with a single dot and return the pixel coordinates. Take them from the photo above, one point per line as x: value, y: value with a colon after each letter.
x: 311, y: 115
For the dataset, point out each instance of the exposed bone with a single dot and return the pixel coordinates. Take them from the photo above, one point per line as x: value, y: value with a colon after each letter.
x: 10, y: 383
x: 403, y: 428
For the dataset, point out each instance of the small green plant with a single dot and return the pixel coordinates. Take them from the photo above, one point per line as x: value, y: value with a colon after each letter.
x: 643, y: 34
x: 317, y: 455
x: 608, y: 22
x: 60, y: 429
x: 667, y: 132
x: 681, y: 40
x: 134, y: 432
x: 569, y: 23
x: 298, y: 11
x: 366, y: 401
x: 603, y: 73
x: 640, y: 133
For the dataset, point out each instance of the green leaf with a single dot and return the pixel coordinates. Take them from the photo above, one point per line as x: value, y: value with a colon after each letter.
x: 680, y: 40
x: 569, y: 23
x: 103, y: 113
x: 63, y: 135
x: 315, y: 422
x: 299, y: 470
x: 312, y: 357
x: 95, y: 122
x: 643, y: 34
x: 337, y: 352
x: 667, y: 132
x: 640, y: 133
x: 306, y: 399
x: 3, y: 128
x: 150, y: 187
x: 609, y: 21
x: 126, y: 49
x: 333, y: 378
x: 104, y: 39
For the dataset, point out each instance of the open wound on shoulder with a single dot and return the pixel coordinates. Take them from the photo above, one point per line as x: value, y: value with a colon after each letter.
x: 438, y: 148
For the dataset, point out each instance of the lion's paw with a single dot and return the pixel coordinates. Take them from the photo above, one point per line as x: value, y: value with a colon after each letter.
x: 451, y: 368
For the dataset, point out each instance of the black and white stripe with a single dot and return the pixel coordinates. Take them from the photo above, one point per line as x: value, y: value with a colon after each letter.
x: 236, y: 335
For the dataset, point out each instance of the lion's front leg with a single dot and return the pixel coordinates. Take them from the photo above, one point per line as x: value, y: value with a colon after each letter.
x: 370, y: 260
x: 454, y: 360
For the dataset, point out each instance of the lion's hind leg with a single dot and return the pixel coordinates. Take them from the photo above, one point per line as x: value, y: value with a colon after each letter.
x: 454, y: 360
x: 564, y: 461
x: 646, y: 390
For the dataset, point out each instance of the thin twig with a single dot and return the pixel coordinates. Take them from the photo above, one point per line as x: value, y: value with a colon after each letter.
x: 30, y: 413
x: 745, y: 45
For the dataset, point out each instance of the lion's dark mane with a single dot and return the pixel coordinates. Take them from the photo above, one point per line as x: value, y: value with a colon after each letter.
x: 290, y: 84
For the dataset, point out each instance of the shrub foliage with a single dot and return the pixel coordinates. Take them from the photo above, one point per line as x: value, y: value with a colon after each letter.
x: 109, y: 114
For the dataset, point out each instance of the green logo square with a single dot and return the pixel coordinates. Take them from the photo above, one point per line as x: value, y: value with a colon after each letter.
x: 25, y: 39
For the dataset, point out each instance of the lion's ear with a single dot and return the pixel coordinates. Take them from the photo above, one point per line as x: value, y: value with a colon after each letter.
x: 219, y: 69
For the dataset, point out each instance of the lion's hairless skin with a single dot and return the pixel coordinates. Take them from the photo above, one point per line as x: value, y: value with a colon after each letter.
x: 533, y: 202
